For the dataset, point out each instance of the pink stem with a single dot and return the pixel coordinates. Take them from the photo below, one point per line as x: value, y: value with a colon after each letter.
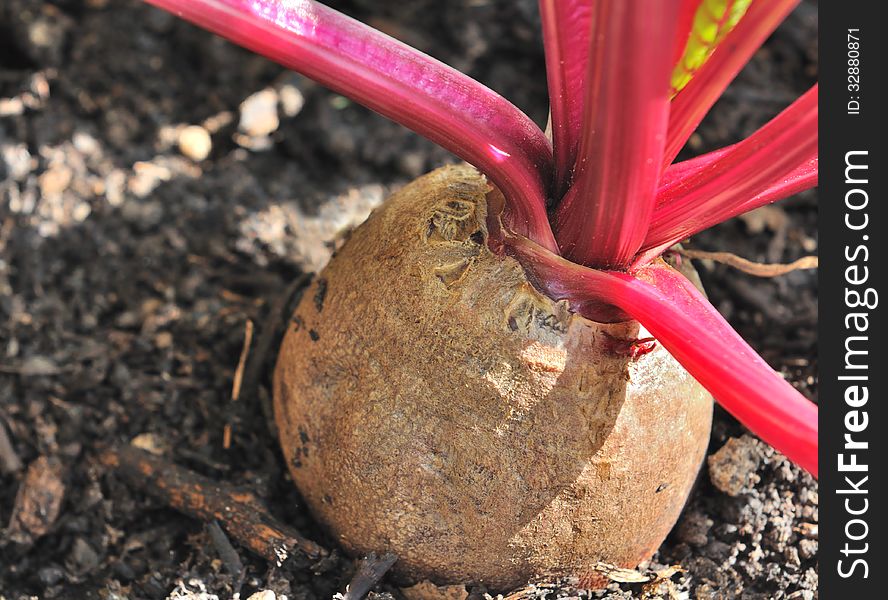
x: 709, y: 82
x: 676, y: 176
x: 603, y: 218
x: 566, y: 26
x: 697, y: 336
x: 778, y: 158
x: 802, y: 178
x: 401, y: 83
x: 684, y: 25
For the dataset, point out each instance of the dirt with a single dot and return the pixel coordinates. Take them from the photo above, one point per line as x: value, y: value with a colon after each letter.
x: 134, y: 249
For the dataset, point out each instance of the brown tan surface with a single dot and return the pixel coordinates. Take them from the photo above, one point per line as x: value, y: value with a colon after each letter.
x: 432, y: 403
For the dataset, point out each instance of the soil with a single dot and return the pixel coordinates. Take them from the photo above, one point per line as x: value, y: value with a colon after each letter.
x: 133, y: 254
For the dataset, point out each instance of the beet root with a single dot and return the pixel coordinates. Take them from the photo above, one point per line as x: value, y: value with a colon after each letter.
x: 432, y: 403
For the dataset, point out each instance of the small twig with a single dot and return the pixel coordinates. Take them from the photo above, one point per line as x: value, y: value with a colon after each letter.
x: 241, y: 514
x: 750, y: 267
x: 371, y: 570
x: 238, y: 378
x: 242, y: 361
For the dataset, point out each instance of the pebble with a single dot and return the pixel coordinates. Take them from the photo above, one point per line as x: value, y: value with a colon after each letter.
x: 808, y: 549
x: 412, y: 164
x: 694, y: 529
x: 145, y: 215
x: 193, y: 589
x: 150, y: 442
x: 55, y: 180
x: 771, y: 218
x: 86, y: 144
x: 38, y: 366
x: 792, y: 557
x: 41, y: 34
x: 17, y: 160
x: 309, y: 239
x: 146, y: 177
x: 50, y: 575
x: 163, y: 340
x: 263, y: 595
x: 195, y: 142
x: 38, y: 501
x: 47, y: 36
x: 426, y: 590
x: 732, y: 469
x: 291, y: 99
x: 11, y: 107
x: 83, y: 558
x: 123, y: 571
x: 718, y: 551
x: 258, y: 114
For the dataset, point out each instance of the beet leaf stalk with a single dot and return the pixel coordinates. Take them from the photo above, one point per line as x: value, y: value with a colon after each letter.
x: 604, y: 216
x: 566, y: 33
x: 629, y: 81
x: 399, y: 82
x: 778, y: 157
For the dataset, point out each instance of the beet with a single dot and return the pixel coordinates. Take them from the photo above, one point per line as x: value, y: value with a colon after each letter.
x: 431, y: 402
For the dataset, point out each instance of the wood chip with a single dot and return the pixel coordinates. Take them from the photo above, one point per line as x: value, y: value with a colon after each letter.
x: 38, y: 501
x: 621, y: 575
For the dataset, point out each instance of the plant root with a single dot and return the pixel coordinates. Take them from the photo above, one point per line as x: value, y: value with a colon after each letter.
x: 751, y: 267
x: 239, y: 512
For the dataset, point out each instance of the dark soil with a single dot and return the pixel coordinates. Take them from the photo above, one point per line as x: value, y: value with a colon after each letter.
x: 128, y: 273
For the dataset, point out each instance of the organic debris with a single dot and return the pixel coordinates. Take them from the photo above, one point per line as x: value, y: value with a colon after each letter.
x: 38, y: 501
x: 240, y: 512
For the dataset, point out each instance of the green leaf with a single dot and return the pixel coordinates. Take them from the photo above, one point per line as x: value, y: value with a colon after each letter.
x: 712, y: 22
